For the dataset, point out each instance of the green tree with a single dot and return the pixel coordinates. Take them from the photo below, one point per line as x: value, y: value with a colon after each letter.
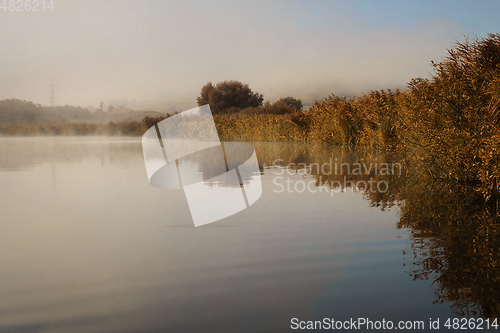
x: 229, y: 94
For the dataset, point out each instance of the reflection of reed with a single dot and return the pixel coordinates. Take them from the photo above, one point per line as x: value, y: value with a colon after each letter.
x: 314, y: 156
x: 455, y: 233
x: 455, y: 242
x: 216, y: 161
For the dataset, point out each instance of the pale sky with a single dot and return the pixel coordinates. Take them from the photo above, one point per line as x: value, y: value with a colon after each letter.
x: 161, y: 53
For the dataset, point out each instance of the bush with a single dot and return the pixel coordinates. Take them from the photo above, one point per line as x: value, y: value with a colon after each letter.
x: 290, y: 102
x: 229, y: 94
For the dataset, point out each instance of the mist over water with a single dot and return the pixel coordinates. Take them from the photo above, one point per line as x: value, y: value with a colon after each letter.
x: 87, y: 245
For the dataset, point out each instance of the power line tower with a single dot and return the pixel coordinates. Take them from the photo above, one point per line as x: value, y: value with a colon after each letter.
x: 52, y: 97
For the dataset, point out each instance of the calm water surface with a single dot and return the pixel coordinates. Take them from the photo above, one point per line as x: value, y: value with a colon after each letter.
x: 88, y: 245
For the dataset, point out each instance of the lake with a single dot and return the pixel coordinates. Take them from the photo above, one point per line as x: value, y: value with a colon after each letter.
x: 88, y: 245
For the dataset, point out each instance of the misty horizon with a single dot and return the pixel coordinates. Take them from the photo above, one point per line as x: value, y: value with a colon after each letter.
x: 158, y: 55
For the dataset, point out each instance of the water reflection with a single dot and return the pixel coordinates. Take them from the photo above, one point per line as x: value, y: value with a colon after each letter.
x: 98, y: 237
x: 454, y: 230
x: 23, y: 153
x: 455, y: 243
x: 342, y: 167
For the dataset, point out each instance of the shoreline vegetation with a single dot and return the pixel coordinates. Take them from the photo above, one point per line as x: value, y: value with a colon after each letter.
x: 447, y: 127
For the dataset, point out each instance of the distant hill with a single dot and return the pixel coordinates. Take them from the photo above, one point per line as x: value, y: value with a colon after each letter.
x: 20, y: 112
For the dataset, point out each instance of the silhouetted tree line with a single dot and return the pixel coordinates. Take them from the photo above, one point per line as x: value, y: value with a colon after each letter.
x: 20, y: 112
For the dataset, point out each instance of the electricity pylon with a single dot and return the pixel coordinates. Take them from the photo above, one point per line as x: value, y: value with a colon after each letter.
x: 52, y: 97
